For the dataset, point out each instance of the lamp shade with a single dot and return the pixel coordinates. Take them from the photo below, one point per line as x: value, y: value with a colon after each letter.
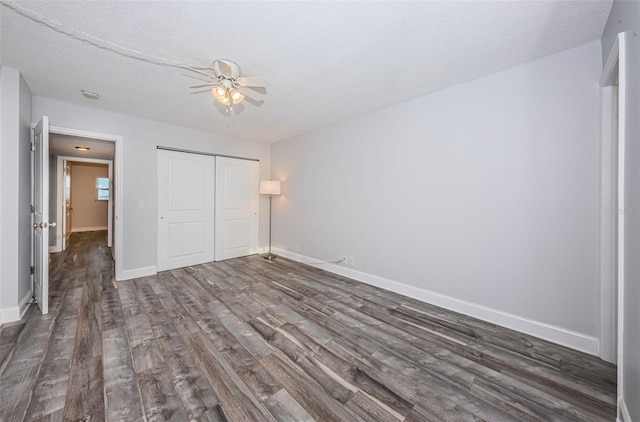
x: 269, y: 187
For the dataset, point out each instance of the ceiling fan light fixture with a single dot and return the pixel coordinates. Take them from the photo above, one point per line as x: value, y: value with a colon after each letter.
x: 236, y: 96
x: 228, y: 83
x: 221, y: 94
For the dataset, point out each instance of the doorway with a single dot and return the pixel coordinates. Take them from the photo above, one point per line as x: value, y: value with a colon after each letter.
x: 613, y: 83
x: 84, y: 198
x: 45, y: 223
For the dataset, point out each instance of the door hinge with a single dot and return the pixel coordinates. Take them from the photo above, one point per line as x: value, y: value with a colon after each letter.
x: 32, y: 209
x: 33, y: 147
x: 31, y: 269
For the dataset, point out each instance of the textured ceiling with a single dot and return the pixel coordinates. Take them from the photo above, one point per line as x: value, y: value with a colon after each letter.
x: 322, y: 61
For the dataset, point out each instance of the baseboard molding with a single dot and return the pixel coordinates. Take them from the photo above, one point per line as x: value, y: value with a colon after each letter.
x: 23, y: 305
x: 54, y: 249
x: 559, y: 335
x: 623, y: 412
x: 9, y: 314
x: 138, y: 272
x: 89, y: 229
x: 15, y: 313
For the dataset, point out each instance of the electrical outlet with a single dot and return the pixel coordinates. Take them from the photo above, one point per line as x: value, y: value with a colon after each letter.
x: 352, y: 261
x: 345, y: 260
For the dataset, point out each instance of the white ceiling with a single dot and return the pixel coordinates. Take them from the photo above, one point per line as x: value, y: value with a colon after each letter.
x: 322, y: 61
x: 66, y: 146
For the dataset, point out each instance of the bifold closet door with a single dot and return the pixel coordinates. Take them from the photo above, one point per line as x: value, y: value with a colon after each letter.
x: 236, y: 207
x: 186, y: 196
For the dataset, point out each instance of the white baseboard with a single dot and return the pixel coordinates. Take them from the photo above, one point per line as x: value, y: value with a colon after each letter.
x: 559, y: 335
x: 89, y: 229
x: 15, y: 313
x: 54, y: 249
x: 9, y: 314
x: 138, y: 272
x: 24, y: 302
x: 623, y: 412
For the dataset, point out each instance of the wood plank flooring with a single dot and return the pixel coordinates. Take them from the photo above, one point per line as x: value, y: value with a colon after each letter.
x: 252, y: 340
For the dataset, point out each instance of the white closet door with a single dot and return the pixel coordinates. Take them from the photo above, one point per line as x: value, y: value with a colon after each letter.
x: 185, y: 209
x: 236, y: 207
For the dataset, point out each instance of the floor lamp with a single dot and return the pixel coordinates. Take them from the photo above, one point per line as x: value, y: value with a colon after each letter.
x: 269, y: 187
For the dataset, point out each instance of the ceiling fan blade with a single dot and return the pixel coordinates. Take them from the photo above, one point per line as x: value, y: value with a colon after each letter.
x: 201, y: 72
x: 223, y: 68
x: 249, y: 93
x: 252, y: 82
x: 207, y: 84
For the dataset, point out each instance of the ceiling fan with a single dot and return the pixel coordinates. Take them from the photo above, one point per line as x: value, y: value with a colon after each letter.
x: 228, y: 87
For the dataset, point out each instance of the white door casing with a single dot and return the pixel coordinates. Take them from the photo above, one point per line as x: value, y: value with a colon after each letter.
x: 236, y: 207
x: 68, y: 210
x: 185, y: 209
x: 41, y: 214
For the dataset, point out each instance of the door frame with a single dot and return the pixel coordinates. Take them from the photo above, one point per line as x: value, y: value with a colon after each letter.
x: 60, y: 205
x: 117, y: 194
x: 612, y: 252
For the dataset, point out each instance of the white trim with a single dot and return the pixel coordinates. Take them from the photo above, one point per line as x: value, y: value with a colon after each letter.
x: 138, y: 272
x: 623, y: 412
x: 608, y: 225
x: 617, y: 59
x: 62, y: 161
x: 615, y: 69
x: 23, y: 305
x: 9, y: 314
x: 55, y: 249
x: 562, y: 336
x: 15, y: 313
x: 88, y: 229
x: 622, y: 140
x: 118, y: 163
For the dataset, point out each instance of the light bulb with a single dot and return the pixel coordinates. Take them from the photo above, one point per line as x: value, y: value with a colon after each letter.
x: 221, y: 94
x: 236, y: 96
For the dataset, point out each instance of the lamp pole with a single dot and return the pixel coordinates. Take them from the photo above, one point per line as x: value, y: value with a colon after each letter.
x: 270, y: 256
x: 270, y: 187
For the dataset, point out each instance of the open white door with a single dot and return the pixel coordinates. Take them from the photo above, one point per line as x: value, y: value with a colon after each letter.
x: 185, y: 209
x: 236, y: 207
x: 41, y: 214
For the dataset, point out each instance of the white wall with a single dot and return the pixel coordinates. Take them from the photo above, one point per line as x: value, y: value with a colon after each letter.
x: 15, y: 197
x: 140, y: 138
x: 625, y: 16
x: 88, y: 212
x: 486, y: 193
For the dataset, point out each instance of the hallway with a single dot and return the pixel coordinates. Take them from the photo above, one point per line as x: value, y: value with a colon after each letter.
x: 80, y: 279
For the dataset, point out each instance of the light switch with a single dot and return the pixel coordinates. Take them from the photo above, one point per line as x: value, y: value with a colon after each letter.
x: 140, y: 203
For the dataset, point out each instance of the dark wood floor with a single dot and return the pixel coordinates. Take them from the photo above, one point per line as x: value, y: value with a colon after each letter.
x: 252, y: 340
